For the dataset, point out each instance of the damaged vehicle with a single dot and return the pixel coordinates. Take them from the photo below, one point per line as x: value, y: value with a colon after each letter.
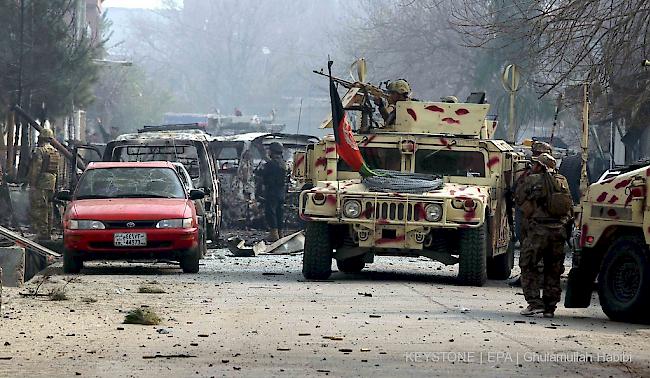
x: 239, y: 158
x: 185, y: 144
x: 126, y: 211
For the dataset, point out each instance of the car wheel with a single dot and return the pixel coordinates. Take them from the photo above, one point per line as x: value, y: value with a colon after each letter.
x: 72, y: 263
x: 317, y: 256
x: 190, y: 260
x: 499, y: 267
x: 472, y: 255
x: 351, y: 265
x: 624, y: 280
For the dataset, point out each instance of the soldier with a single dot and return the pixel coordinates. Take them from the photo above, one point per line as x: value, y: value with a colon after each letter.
x: 43, y: 170
x: 273, y: 177
x: 545, y: 202
x: 398, y: 90
x: 537, y: 149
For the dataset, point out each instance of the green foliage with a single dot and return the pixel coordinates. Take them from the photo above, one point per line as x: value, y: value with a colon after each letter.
x: 57, y: 59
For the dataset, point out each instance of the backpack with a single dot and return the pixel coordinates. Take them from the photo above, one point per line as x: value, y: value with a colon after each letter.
x: 559, y: 202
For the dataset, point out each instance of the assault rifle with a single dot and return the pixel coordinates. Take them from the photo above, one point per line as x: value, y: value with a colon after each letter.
x: 368, y: 88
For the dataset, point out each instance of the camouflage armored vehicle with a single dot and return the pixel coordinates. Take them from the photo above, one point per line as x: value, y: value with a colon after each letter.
x: 463, y: 222
x: 614, y: 240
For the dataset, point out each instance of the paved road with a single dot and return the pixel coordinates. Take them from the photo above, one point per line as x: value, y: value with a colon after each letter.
x: 258, y: 317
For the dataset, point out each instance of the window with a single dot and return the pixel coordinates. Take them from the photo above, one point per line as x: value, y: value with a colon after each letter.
x: 186, y: 155
x: 450, y: 163
x: 129, y: 183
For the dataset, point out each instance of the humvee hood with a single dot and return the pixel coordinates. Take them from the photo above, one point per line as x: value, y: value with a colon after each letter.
x: 448, y: 190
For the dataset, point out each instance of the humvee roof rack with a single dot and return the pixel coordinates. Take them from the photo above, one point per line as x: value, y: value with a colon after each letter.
x: 173, y: 127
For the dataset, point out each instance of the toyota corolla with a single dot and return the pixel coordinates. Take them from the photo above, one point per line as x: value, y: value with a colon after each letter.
x: 131, y: 211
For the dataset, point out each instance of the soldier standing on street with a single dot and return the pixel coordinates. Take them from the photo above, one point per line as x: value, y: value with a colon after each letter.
x: 537, y: 149
x: 273, y: 176
x: 398, y: 90
x: 43, y: 170
x: 545, y: 203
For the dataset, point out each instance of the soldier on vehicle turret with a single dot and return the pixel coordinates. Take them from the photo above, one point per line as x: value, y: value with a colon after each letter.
x: 398, y: 90
x: 43, y: 171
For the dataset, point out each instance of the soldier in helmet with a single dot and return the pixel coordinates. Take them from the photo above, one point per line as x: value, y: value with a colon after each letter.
x: 398, y: 90
x: 273, y: 175
x: 545, y: 202
x: 43, y: 169
x: 537, y: 148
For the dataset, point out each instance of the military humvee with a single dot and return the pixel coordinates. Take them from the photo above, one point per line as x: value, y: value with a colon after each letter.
x: 464, y: 222
x: 614, y: 240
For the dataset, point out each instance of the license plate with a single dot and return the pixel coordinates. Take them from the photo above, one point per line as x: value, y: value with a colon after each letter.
x: 130, y: 239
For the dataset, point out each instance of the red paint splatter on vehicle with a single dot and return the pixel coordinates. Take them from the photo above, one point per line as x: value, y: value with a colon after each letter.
x: 321, y: 161
x: 331, y: 199
x: 612, y: 213
x: 330, y: 149
x: 462, y: 111
x: 451, y: 121
x: 493, y: 161
x: 330, y: 171
x: 452, y: 192
x: 382, y: 221
x: 445, y: 143
x: 647, y: 172
x: 300, y: 160
x: 613, y: 199
x: 622, y: 184
x: 368, y: 140
x: 434, y: 108
x: 602, y: 197
x: 411, y: 112
x: 419, y: 210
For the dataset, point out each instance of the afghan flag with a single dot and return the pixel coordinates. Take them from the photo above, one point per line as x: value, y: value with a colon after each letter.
x: 346, y: 146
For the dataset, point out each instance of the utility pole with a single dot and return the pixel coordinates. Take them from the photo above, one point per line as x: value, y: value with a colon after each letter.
x: 510, y: 81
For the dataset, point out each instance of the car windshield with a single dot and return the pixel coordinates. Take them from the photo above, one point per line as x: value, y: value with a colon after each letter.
x: 136, y: 182
x: 450, y: 163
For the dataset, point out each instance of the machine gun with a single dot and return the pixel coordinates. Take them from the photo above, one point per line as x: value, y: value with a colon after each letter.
x: 366, y: 88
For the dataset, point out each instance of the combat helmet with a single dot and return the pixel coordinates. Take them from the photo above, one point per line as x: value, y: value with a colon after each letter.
x: 540, y: 147
x: 400, y: 86
x: 46, y: 134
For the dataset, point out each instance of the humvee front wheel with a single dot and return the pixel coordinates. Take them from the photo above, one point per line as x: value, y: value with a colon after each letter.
x: 351, y: 265
x: 317, y: 257
x: 499, y: 267
x: 624, y: 280
x: 472, y: 270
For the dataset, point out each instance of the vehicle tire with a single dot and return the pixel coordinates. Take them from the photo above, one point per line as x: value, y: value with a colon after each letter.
x: 190, y: 260
x: 72, y: 264
x: 624, y: 280
x: 472, y: 270
x: 499, y: 267
x: 317, y: 257
x: 352, y: 265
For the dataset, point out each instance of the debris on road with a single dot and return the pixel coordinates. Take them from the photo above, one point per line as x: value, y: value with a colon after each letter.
x: 169, y: 356
x: 151, y: 289
x: 288, y: 245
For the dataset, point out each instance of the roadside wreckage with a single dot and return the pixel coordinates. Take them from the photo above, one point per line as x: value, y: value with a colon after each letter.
x: 288, y: 245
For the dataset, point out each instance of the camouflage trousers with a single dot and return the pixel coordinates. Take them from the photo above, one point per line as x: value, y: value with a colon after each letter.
x: 40, y: 213
x: 543, y: 243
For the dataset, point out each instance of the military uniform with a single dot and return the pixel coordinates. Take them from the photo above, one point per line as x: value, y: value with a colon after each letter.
x: 273, y: 176
x: 43, y: 170
x: 545, y: 235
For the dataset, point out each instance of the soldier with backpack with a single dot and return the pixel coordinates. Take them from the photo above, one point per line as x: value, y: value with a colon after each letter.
x: 545, y: 201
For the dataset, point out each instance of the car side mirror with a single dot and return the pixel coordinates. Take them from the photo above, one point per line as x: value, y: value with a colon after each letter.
x: 196, y: 194
x: 63, y: 195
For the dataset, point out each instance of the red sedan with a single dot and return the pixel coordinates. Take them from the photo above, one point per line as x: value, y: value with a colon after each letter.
x: 130, y: 211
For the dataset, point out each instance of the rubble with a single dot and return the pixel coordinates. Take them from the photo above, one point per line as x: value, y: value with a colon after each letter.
x: 289, y: 245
